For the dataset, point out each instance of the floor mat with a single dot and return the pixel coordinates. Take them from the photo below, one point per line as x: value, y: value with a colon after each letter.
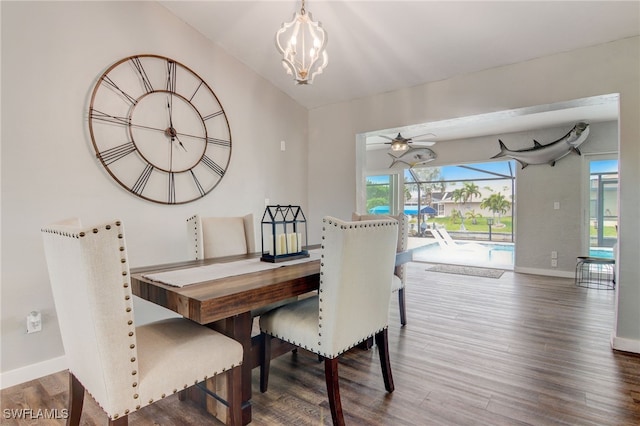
x: 467, y: 270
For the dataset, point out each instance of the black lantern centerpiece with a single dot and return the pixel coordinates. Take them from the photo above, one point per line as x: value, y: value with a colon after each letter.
x: 284, y: 234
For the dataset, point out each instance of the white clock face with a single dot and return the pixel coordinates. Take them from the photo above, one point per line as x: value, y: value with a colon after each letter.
x: 159, y: 130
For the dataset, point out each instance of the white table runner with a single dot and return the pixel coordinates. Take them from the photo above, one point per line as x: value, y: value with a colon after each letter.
x: 184, y: 277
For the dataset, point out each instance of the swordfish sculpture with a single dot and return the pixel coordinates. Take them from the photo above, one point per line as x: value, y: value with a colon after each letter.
x: 550, y: 153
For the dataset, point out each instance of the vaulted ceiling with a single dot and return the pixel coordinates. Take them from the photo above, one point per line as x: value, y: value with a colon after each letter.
x: 381, y: 46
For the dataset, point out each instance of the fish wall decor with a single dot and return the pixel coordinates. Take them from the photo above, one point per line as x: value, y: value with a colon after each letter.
x: 551, y: 152
x: 413, y: 157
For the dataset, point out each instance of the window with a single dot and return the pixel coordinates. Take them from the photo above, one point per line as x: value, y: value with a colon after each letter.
x: 382, y: 193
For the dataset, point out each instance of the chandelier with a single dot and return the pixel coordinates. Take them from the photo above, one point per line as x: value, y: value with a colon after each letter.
x: 302, y: 43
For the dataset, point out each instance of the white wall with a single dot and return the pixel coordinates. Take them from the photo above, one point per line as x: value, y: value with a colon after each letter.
x: 598, y: 70
x: 52, y: 55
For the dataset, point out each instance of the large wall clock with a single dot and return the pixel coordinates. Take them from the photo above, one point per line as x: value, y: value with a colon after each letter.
x: 159, y: 129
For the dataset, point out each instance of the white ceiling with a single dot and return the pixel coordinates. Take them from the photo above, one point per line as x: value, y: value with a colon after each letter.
x: 381, y: 46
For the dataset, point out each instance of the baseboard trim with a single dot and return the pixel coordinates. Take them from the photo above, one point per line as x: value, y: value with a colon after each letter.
x: 625, y: 345
x: 545, y: 272
x: 33, y: 371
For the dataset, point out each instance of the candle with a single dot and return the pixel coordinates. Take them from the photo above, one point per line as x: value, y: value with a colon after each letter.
x: 293, y: 242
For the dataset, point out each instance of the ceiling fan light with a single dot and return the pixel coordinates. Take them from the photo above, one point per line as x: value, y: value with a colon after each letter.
x: 399, y: 145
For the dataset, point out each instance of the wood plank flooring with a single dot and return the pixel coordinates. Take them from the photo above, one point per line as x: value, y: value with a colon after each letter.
x: 518, y: 350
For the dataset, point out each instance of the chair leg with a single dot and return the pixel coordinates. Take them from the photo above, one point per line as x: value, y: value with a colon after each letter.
x: 366, y: 344
x: 265, y: 362
x: 234, y: 398
x: 333, y: 390
x: 401, y: 303
x: 120, y: 421
x: 382, y: 341
x: 76, y: 400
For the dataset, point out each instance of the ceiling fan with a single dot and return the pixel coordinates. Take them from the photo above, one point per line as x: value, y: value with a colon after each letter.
x: 400, y: 143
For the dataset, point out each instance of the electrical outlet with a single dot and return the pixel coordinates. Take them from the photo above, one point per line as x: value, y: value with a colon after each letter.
x: 283, y: 146
x: 554, y: 263
x: 34, y: 322
x: 554, y: 254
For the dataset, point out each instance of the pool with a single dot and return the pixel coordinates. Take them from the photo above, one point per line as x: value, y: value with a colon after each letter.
x: 488, y: 255
x: 605, y: 253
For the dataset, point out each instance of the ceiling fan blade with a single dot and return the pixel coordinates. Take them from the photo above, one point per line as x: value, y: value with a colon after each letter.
x: 422, y: 136
x: 376, y: 146
x: 423, y: 143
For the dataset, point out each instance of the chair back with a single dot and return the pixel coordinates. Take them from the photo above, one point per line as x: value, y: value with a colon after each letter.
x: 89, y: 274
x: 211, y: 237
x: 403, y: 236
x: 357, y: 264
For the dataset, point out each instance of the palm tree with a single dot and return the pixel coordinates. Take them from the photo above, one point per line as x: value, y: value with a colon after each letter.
x: 458, y: 196
x: 469, y: 191
x: 471, y: 214
x: 497, y: 204
x: 454, y: 215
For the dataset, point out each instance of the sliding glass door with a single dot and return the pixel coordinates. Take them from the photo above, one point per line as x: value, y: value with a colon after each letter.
x: 603, y: 207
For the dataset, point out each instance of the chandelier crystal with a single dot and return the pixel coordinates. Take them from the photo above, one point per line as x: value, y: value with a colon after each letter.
x: 302, y: 43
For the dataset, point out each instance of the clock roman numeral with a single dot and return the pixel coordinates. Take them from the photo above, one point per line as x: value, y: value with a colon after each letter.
x: 215, y: 114
x: 94, y: 114
x: 138, y: 187
x: 196, y: 91
x: 112, y: 155
x: 212, y: 165
x: 171, y: 76
x: 142, y: 73
x: 125, y: 96
x: 197, y: 182
x: 221, y: 142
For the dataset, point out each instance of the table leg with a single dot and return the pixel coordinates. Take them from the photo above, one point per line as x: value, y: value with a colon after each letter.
x: 237, y: 327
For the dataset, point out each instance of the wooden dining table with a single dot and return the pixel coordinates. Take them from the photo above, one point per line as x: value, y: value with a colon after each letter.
x: 225, y: 304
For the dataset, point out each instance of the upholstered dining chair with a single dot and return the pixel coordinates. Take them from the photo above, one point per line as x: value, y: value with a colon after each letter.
x: 124, y: 367
x: 352, y: 304
x: 213, y: 237
x: 400, y: 272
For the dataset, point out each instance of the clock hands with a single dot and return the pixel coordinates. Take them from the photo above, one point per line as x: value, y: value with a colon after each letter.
x: 171, y: 131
